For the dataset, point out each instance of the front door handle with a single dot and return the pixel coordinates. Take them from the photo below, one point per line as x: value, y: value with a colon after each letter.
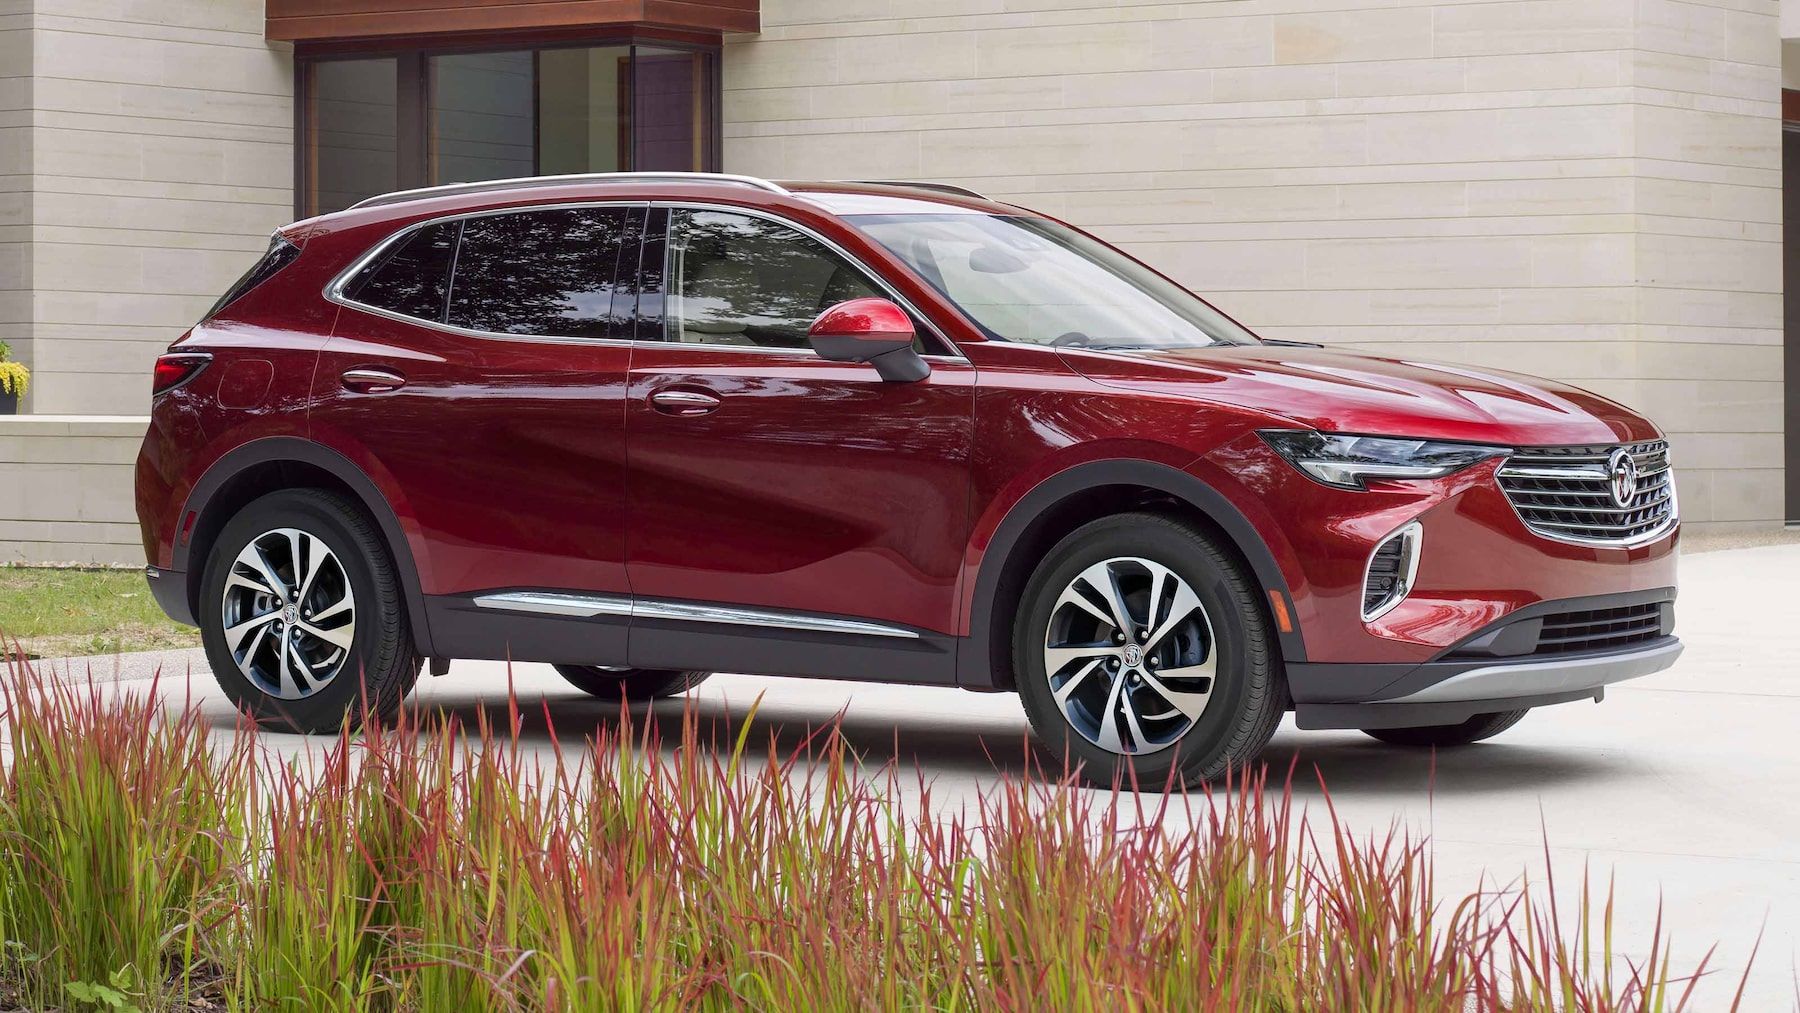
x: 372, y: 381
x: 683, y: 402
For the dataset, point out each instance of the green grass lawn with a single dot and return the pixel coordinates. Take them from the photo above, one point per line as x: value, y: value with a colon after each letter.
x: 60, y: 613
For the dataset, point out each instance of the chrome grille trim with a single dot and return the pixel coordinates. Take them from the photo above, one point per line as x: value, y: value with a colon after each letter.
x: 1564, y: 493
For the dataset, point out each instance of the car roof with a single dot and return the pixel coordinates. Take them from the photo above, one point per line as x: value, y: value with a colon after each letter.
x: 836, y: 197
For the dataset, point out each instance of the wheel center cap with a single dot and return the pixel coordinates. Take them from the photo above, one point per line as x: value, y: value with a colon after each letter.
x: 290, y: 614
x: 1134, y: 655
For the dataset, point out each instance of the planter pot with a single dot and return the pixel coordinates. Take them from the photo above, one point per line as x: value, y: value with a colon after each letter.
x: 9, y: 403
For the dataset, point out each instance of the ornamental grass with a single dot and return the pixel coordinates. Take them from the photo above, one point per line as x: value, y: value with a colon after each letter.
x: 152, y: 861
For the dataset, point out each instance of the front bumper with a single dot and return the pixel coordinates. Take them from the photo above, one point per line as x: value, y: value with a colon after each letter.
x: 1450, y: 692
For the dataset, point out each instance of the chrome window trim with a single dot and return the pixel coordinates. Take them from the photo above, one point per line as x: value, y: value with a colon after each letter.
x: 954, y: 355
x: 1413, y: 534
x: 334, y: 289
x: 587, y: 606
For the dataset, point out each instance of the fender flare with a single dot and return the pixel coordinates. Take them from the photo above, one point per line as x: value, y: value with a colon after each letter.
x: 285, y: 449
x: 974, y: 663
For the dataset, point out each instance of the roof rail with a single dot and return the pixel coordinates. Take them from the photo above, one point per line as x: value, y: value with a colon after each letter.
x: 401, y: 196
x: 961, y: 191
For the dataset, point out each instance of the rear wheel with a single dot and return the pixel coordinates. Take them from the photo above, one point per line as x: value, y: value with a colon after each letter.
x: 1481, y: 726
x: 630, y: 683
x: 1141, y: 645
x: 302, y: 615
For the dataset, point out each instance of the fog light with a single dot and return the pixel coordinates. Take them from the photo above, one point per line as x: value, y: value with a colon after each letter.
x: 1392, y: 567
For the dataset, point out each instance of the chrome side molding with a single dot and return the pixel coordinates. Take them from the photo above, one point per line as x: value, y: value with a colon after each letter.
x: 550, y: 603
x: 587, y: 606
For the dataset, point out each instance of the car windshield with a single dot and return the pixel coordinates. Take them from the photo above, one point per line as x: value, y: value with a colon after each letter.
x: 1033, y: 280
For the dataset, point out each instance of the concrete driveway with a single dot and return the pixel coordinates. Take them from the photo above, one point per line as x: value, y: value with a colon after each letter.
x: 1684, y: 788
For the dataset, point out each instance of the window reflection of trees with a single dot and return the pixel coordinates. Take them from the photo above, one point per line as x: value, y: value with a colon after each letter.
x: 538, y: 272
x: 411, y: 279
x: 745, y: 280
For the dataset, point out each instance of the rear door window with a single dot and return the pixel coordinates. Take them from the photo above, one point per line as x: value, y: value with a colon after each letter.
x: 411, y: 277
x: 549, y: 273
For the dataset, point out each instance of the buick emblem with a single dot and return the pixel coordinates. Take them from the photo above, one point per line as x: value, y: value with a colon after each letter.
x: 1134, y: 656
x: 1622, y: 476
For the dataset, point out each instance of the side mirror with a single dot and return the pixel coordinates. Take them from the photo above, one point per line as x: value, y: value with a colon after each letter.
x: 870, y: 330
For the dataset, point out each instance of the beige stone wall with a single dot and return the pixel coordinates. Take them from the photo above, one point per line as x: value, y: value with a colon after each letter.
x: 1707, y: 191
x: 1587, y: 189
x: 67, y: 492
x: 161, y: 158
x: 15, y: 176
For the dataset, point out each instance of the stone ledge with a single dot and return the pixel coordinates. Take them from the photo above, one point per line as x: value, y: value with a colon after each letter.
x: 74, y: 425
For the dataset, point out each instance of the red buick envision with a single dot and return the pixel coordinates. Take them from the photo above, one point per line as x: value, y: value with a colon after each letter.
x: 647, y: 426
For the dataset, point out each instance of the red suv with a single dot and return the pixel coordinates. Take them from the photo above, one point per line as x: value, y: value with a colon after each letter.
x: 647, y: 426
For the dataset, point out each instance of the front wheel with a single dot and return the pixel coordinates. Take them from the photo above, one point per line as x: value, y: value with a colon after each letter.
x: 302, y: 616
x: 1481, y: 726
x: 1141, y: 646
x: 630, y: 683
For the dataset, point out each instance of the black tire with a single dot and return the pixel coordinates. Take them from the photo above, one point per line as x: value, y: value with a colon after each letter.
x: 1248, y: 690
x: 630, y: 683
x: 382, y: 664
x: 1481, y: 726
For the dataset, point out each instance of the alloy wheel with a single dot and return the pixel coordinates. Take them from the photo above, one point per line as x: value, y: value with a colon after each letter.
x: 1130, y: 655
x: 289, y: 613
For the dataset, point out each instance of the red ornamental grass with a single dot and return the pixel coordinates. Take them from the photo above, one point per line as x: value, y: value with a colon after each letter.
x: 431, y: 866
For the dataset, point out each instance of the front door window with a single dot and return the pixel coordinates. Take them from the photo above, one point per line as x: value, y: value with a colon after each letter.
x: 744, y: 280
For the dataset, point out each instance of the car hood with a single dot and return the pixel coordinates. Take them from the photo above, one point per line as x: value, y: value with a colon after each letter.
x: 1350, y: 392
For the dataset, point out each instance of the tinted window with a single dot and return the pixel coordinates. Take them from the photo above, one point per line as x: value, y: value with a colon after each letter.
x: 412, y: 277
x: 538, y: 272
x: 281, y: 253
x: 739, y: 280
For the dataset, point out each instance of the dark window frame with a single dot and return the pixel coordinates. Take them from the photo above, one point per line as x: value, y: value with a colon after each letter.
x: 413, y: 87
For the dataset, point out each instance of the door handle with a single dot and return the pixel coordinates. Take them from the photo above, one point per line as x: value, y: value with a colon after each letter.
x: 683, y: 402
x: 372, y: 381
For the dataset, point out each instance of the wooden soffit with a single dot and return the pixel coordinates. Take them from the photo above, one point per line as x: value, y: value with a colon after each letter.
x: 348, y: 20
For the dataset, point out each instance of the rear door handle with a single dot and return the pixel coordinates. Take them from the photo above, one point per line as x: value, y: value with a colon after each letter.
x: 683, y: 402
x: 372, y: 381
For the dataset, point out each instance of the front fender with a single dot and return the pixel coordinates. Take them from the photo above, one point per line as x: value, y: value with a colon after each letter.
x: 981, y: 635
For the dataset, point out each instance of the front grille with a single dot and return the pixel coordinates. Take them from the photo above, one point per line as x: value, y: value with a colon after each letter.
x: 1566, y: 493
x: 1600, y: 629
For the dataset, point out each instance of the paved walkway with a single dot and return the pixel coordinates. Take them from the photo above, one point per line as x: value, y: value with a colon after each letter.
x: 1684, y: 787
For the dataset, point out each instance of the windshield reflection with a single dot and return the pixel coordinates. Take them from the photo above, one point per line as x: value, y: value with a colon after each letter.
x: 1037, y: 281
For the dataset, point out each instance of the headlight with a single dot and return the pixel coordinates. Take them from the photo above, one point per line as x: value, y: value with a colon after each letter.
x: 1347, y: 461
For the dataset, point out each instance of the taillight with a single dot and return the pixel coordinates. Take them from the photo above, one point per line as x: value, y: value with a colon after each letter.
x: 177, y: 368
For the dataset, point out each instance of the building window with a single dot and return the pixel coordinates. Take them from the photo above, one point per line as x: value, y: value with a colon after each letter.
x: 370, y: 124
x: 351, y: 135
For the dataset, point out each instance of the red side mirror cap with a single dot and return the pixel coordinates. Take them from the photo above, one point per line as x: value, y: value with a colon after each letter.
x: 871, y: 330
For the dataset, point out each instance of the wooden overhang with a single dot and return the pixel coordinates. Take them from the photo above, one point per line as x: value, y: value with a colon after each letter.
x: 304, y: 21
